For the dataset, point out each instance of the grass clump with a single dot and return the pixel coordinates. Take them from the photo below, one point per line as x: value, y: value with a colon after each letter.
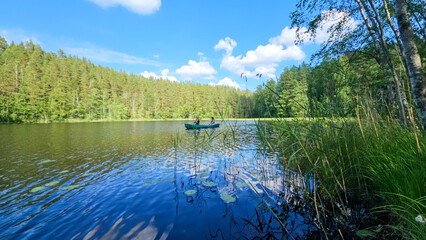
x: 368, y: 173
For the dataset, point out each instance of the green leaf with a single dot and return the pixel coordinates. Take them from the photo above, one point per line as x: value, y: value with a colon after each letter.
x: 53, y: 183
x: 241, y: 184
x: 209, y: 184
x: 190, y: 192
x: 46, y: 161
x: 227, y: 198
x: 36, y: 189
x: 71, y: 187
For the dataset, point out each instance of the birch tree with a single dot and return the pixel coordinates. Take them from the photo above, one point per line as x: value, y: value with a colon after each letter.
x: 412, y: 58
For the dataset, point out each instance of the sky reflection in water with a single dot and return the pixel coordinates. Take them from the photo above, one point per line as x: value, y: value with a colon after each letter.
x: 130, y: 180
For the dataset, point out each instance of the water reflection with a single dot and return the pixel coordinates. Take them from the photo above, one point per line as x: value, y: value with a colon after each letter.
x: 145, y: 180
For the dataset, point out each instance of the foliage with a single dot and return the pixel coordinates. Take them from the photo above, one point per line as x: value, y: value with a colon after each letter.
x: 39, y: 86
x: 368, y: 164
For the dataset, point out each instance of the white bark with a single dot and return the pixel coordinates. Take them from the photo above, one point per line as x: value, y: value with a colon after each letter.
x: 413, y: 59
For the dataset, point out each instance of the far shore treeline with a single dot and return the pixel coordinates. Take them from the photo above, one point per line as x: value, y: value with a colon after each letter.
x: 37, y: 86
x: 40, y: 86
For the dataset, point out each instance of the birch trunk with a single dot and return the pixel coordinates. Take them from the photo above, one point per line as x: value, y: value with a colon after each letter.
x: 376, y: 28
x: 413, y: 59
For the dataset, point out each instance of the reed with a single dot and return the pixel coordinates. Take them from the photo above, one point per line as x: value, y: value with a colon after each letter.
x: 369, y: 172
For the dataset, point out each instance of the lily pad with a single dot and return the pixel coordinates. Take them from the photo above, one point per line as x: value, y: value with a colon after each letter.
x: 36, y: 189
x: 227, y: 198
x: 70, y: 187
x: 241, y: 184
x: 46, y: 161
x: 64, y: 171
x: 209, y: 184
x: 151, y: 182
x: 53, y: 183
x: 190, y: 192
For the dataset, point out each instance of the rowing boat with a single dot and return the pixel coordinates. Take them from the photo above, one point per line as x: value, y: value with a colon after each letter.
x: 193, y: 126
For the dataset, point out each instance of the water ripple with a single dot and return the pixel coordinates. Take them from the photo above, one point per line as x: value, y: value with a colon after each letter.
x: 131, y: 180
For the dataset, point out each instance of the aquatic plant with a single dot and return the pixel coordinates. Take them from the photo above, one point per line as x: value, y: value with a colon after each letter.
x: 70, y: 187
x: 36, y: 189
x: 50, y: 184
x: 227, y: 198
x: 209, y: 184
x: 190, y: 192
x: 47, y: 161
x: 369, y: 163
x: 241, y: 184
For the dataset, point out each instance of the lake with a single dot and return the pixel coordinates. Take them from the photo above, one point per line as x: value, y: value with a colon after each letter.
x: 145, y: 180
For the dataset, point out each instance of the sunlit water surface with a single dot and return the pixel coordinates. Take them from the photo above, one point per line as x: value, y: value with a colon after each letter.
x: 144, y: 180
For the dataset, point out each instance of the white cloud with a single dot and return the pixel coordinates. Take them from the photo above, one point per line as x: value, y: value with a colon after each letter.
x: 226, y: 44
x: 18, y: 36
x: 156, y: 56
x: 143, y: 7
x: 264, y: 55
x: 165, y: 72
x: 268, y: 71
x: 287, y: 37
x: 329, y: 19
x: 108, y: 56
x: 147, y: 74
x: 196, y: 69
x: 264, y: 59
x: 226, y: 82
x: 164, y: 75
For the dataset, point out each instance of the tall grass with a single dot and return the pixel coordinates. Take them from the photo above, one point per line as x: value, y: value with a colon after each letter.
x: 370, y: 172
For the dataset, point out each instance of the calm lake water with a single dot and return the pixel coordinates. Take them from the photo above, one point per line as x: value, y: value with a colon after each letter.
x: 145, y: 180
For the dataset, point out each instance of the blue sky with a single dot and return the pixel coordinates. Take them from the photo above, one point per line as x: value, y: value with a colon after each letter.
x: 208, y: 42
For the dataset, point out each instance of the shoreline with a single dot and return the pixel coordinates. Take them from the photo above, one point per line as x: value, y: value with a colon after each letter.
x: 174, y: 120
x: 136, y: 120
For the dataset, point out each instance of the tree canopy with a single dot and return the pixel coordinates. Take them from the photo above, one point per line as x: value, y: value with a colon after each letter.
x: 42, y: 86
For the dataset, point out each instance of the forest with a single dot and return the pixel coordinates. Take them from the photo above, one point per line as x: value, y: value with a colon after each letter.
x: 356, y: 67
x: 37, y: 86
x: 365, y: 65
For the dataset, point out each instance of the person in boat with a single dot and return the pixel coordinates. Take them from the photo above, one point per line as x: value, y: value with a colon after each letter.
x: 197, y: 121
x: 212, y: 121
